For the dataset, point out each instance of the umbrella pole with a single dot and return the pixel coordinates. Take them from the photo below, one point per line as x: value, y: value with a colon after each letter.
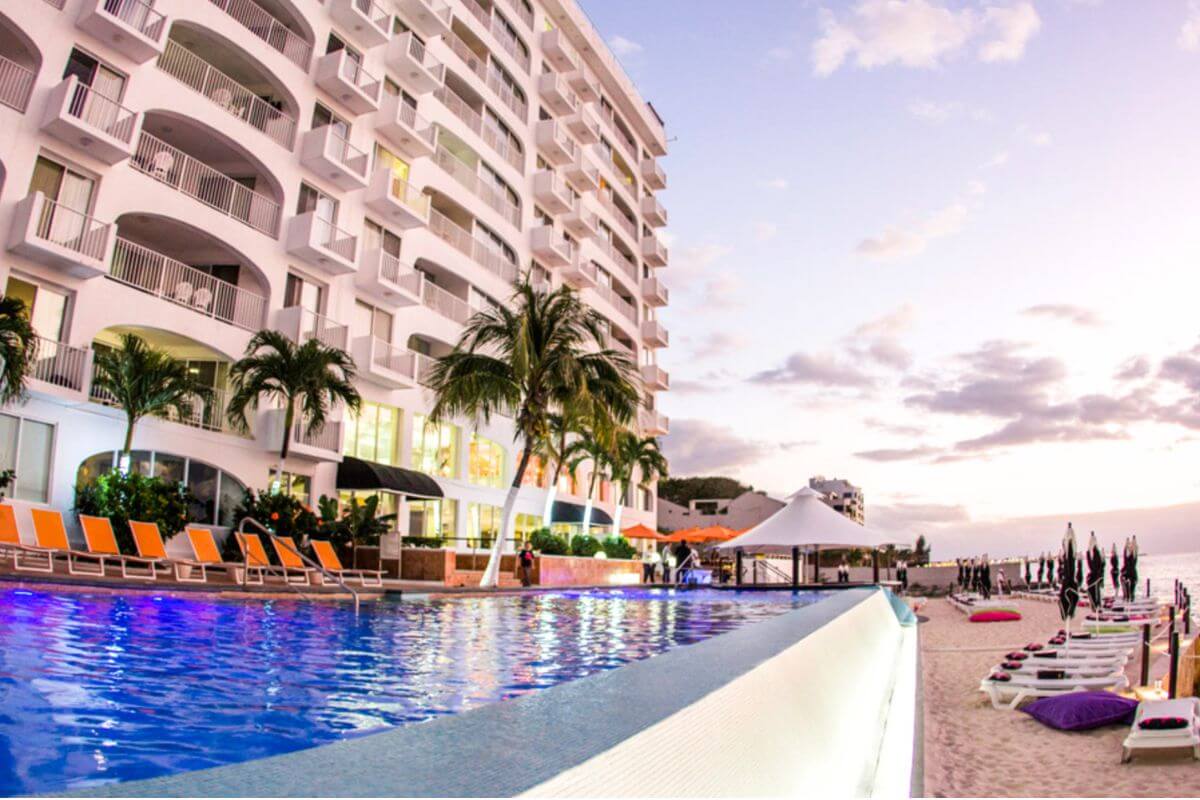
x: 817, y: 564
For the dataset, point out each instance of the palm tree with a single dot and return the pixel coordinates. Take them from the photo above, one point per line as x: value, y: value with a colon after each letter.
x: 18, y: 349
x: 521, y: 361
x: 307, y: 379
x: 568, y: 422
x: 142, y: 381
x: 634, y: 452
x: 597, y: 444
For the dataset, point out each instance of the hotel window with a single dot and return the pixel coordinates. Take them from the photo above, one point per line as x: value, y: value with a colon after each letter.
x: 299, y: 291
x: 525, y: 524
x: 323, y: 206
x: 26, y: 447
x: 323, y: 115
x: 68, y: 188
x: 434, y: 447
x: 367, y: 320
x: 216, y: 494
x: 373, y: 434
x: 46, y: 308
x: 389, y: 503
x: 377, y: 237
x: 486, y: 462
x: 386, y: 158
x: 646, y: 497
x: 483, y: 524
x: 535, y: 473
x: 432, y: 519
x: 101, y: 78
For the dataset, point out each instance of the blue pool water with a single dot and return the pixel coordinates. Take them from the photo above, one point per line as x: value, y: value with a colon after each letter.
x: 100, y: 688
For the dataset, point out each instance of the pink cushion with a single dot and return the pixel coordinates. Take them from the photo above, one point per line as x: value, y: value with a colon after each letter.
x: 996, y: 615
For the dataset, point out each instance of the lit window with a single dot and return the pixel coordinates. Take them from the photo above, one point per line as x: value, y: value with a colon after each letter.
x: 26, y: 447
x: 535, y: 473
x: 434, y: 447
x: 483, y: 524
x: 373, y: 434
x: 486, y: 464
x: 433, y: 519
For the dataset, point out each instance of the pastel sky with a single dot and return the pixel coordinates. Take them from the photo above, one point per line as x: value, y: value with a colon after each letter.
x: 945, y: 249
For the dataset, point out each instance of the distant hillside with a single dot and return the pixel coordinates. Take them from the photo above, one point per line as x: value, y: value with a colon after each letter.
x: 685, y: 490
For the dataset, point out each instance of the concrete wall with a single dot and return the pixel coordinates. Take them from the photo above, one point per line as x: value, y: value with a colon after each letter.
x: 744, y: 511
x: 572, y: 571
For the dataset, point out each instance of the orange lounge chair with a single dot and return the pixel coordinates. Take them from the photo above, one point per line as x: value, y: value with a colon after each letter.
x: 11, y: 545
x: 255, y: 555
x: 328, y: 558
x: 150, y: 547
x: 51, y: 533
x: 289, y: 557
x: 102, y: 543
x: 205, y: 549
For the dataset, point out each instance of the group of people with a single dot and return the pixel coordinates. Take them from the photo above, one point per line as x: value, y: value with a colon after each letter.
x: 975, y: 575
x: 663, y: 566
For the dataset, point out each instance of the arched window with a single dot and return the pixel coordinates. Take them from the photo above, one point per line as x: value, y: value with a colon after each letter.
x: 216, y: 492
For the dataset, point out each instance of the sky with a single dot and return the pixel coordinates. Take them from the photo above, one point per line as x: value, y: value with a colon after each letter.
x: 945, y: 249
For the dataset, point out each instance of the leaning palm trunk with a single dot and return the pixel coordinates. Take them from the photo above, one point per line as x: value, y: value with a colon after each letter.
x: 491, y: 573
x: 618, y: 497
x: 549, y: 509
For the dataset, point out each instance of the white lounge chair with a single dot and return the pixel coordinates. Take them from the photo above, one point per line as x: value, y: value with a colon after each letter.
x: 1007, y: 695
x: 1186, y: 708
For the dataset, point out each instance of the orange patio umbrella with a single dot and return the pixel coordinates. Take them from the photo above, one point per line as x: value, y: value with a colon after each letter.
x: 641, y: 531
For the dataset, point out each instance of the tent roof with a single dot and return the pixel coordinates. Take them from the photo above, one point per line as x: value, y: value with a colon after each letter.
x: 355, y: 473
x: 806, y: 521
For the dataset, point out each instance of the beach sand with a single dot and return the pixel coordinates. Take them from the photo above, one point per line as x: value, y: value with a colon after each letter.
x: 973, y: 750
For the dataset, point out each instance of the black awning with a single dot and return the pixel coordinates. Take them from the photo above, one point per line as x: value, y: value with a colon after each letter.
x: 355, y: 473
x: 570, y: 512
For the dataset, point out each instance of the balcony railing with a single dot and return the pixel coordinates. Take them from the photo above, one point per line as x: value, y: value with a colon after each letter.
x: 418, y: 53
x: 627, y: 264
x: 138, y: 15
x: 196, y: 73
x: 61, y: 364
x: 262, y: 24
x: 492, y: 196
x: 334, y: 239
x: 449, y: 306
x: 409, y: 117
x: 462, y: 240
x: 617, y: 215
x: 100, y: 112
x: 522, y: 11
x: 424, y: 366
x: 70, y: 229
x: 329, y: 437
x: 338, y: 148
x: 503, y: 144
x: 311, y: 325
x: 488, y: 73
x: 16, y: 84
x: 385, y: 355
x: 206, y: 413
x: 397, y: 273
x: 364, y: 81
x: 626, y: 308
x: 184, y: 285
x: 509, y: 43
x: 626, y: 143
x: 177, y: 169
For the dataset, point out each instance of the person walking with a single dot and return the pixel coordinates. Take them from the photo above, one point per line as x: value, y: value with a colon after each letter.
x: 668, y: 563
x: 525, y: 561
x: 648, y: 565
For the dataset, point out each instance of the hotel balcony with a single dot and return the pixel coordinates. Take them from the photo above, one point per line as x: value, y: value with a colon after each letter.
x: 442, y: 302
x: 321, y: 243
x: 81, y: 116
x: 654, y: 252
x: 467, y: 176
x: 205, y: 413
x: 653, y: 174
x: 584, y: 124
x: 555, y: 92
x: 61, y: 368
x: 586, y: 87
x: 345, y: 79
x: 385, y: 364
x: 557, y: 50
x: 653, y: 211
x: 654, y: 292
x: 550, y: 248
x: 326, y: 153
x: 429, y: 18
x: 388, y: 279
x: 60, y: 237
x: 583, y: 173
x: 16, y: 84
x: 300, y: 324
x: 655, y: 377
x: 581, y: 220
x: 365, y: 21
x: 393, y: 197
x: 550, y: 192
x: 486, y: 255
x: 654, y: 334
x: 654, y: 423
x: 555, y: 144
x: 131, y: 27
x: 401, y: 125
x: 580, y: 273
x: 278, y: 36
x: 419, y: 72
x: 323, y: 445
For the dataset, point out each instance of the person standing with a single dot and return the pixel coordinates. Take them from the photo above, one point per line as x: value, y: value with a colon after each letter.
x: 668, y: 563
x: 902, y: 575
x: 525, y: 560
x: 648, y: 565
x: 985, y: 577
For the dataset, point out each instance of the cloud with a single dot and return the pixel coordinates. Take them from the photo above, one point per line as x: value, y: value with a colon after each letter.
x: 1189, y: 33
x: 910, y: 518
x: 778, y: 184
x: 877, y: 339
x: 765, y: 231
x: 722, y: 291
x: 998, y: 160
x: 898, y: 454
x: 624, y: 47
x: 890, y: 324
x: 900, y: 429
x: 1075, y: 314
x: 719, y: 343
x: 819, y: 369
x: 899, y: 242
x: 698, y: 447
x: 1134, y: 369
x: 920, y: 34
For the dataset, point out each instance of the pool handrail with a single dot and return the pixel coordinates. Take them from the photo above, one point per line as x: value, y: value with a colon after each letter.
x: 291, y: 546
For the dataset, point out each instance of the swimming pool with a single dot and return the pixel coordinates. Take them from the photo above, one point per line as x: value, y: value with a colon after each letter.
x: 101, y: 688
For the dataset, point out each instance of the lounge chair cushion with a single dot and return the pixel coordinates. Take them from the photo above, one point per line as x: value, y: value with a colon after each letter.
x: 995, y: 615
x: 1017, y: 655
x: 1082, y: 711
x: 1163, y: 723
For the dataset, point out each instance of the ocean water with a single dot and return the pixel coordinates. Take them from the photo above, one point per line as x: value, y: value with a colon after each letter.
x: 1164, y: 569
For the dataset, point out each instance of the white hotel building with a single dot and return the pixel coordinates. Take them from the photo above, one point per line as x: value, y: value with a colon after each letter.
x: 368, y: 172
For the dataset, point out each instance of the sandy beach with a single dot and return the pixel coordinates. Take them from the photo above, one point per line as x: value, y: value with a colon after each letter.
x: 973, y: 750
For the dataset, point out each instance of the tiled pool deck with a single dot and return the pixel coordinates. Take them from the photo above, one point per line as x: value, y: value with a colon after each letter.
x: 507, y: 748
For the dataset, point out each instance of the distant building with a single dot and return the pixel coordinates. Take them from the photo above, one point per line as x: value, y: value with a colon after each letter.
x: 744, y: 511
x: 840, y: 495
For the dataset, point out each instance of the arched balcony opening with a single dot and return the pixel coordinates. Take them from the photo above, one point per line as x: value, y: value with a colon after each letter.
x: 231, y: 79
x: 190, y: 268
x: 207, y: 166
x: 20, y: 61
x: 456, y: 226
x: 277, y: 23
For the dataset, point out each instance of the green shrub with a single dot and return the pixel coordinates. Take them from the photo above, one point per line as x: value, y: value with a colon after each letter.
x: 547, y: 543
x: 432, y: 542
x: 124, y: 496
x: 584, y: 546
x: 282, y: 514
x: 618, y: 547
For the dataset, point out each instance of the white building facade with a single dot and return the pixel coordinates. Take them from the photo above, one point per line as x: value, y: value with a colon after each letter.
x: 368, y: 172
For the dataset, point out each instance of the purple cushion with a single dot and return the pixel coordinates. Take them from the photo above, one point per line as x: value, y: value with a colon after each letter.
x: 1082, y: 711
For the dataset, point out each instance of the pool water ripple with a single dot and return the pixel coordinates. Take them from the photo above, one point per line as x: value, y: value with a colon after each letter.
x: 95, y: 689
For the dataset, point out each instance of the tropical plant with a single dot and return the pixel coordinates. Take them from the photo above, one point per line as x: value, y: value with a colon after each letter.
x: 617, y: 547
x: 584, y: 545
x: 307, y: 379
x: 122, y: 496
x: 634, y: 452
x: 521, y: 360
x: 18, y: 349
x: 7, y: 478
x: 597, y: 447
x: 549, y: 544
x: 281, y: 514
x: 432, y: 542
x: 142, y: 381
x: 358, y: 525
